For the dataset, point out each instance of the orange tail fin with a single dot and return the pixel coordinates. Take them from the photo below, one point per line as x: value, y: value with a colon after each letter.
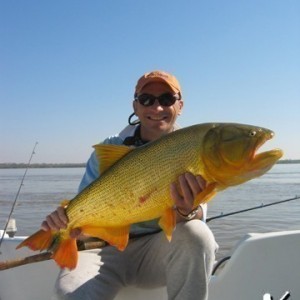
x: 66, y: 254
x: 41, y: 240
x: 64, y: 250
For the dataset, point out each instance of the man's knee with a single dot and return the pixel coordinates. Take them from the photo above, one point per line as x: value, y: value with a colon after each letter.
x: 195, y: 234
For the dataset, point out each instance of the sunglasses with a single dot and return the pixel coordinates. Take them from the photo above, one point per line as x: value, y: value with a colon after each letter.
x: 166, y: 99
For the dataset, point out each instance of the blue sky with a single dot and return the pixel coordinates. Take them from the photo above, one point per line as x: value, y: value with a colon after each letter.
x: 68, y: 69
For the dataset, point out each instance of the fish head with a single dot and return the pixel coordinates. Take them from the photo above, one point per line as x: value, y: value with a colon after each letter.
x: 230, y: 153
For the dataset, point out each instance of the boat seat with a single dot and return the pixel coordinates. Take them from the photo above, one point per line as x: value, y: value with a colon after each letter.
x: 264, y: 263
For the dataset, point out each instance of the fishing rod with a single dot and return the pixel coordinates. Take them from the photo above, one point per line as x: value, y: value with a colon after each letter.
x: 16, y: 198
x: 222, y: 215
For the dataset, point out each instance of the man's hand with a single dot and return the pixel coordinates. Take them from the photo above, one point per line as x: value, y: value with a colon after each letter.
x: 189, y: 187
x: 58, y: 220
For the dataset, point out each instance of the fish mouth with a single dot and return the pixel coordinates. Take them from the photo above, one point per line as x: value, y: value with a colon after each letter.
x: 264, y: 160
x: 268, y: 156
x: 240, y: 156
x: 262, y: 141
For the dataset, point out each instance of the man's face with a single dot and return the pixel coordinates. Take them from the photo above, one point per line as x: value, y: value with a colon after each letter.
x: 157, y: 120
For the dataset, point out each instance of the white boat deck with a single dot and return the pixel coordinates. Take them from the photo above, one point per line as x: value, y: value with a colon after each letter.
x: 261, y: 264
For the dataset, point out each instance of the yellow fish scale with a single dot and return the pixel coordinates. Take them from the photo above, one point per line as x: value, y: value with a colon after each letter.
x: 136, y: 188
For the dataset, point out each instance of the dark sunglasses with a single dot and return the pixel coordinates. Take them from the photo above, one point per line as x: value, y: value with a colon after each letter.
x: 166, y: 99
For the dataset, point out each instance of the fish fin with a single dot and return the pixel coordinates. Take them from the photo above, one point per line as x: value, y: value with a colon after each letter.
x: 207, y: 194
x: 107, y: 155
x: 65, y: 202
x: 64, y: 250
x: 168, y: 222
x: 65, y: 254
x: 115, y: 236
x: 41, y: 240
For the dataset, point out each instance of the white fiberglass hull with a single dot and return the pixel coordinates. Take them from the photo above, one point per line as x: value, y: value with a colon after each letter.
x: 261, y: 264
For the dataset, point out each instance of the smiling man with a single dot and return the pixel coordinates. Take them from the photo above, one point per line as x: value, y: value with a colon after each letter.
x: 157, y: 104
x: 184, y: 265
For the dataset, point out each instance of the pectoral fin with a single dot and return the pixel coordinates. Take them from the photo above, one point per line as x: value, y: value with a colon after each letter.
x: 168, y: 222
x: 115, y: 236
x: 208, y: 193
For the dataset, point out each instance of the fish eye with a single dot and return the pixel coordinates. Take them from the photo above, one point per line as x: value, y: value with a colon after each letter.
x: 252, y: 133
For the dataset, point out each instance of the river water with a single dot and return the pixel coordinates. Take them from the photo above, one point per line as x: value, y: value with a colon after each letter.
x: 44, y: 189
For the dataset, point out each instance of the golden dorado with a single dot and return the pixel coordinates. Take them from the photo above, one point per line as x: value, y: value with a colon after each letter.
x: 134, y: 185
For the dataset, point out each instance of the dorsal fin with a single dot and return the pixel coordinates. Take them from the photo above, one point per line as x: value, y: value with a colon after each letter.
x: 109, y: 154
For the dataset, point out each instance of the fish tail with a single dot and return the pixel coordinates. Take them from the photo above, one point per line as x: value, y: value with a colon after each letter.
x: 41, y: 240
x: 64, y: 249
x: 65, y: 254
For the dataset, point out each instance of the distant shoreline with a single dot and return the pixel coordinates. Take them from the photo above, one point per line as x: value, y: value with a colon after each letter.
x: 41, y: 165
x: 82, y: 165
x: 289, y: 161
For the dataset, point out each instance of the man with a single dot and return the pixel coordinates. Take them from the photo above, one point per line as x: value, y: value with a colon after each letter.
x: 184, y: 265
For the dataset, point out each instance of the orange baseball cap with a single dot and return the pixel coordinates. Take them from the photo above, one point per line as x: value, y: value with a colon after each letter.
x: 158, y: 76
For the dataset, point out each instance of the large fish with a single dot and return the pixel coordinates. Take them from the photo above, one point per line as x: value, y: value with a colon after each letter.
x: 135, y: 184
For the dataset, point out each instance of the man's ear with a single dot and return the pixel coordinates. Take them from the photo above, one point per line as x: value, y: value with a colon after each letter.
x: 134, y: 106
x: 181, y: 103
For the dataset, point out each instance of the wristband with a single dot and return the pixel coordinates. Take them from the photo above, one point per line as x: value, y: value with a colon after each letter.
x: 191, y: 215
